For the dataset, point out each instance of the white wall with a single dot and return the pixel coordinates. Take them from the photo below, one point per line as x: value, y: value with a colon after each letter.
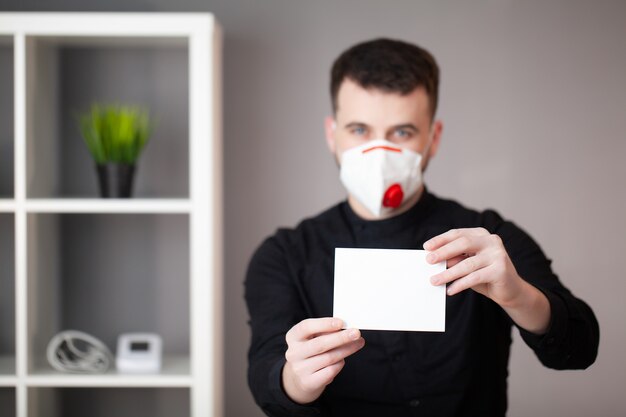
x: 533, y: 100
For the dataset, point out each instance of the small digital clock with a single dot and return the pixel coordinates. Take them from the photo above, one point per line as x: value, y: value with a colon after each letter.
x: 139, y: 353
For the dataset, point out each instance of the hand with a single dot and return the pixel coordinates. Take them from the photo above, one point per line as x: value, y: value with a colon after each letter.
x: 315, y: 355
x: 476, y: 259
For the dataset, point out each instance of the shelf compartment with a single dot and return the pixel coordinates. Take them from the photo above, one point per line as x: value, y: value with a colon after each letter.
x: 6, y: 118
x: 66, y: 75
x: 107, y: 274
x: 7, y: 401
x: 108, y: 402
x: 7, y: 294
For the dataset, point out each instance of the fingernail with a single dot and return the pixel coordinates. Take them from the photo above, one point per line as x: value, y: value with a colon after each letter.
x: 427, y: 244
x: 353, y: 334
x: 337, y: 323
x: 434, y: 281
x: 431, y: 257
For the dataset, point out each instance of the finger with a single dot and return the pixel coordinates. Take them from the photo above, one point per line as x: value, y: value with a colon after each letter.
x: 451, y: 262
x: 330, y: 357
x: 326, y: 375
x: 460, y: 270
x: 324, y: 334
x: 469, y: 281
x: 327, y: 342
x: 309, y: 327
x: 452, y: 234
x: 462, y: 245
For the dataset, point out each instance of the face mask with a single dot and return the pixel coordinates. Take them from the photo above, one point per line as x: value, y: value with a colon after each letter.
x: 381, y: 175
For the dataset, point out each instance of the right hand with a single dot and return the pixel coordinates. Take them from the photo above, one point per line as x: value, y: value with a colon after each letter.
x: 315, y: 355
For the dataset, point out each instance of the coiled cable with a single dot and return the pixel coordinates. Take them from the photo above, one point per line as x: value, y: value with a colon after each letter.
x: 78, y: 352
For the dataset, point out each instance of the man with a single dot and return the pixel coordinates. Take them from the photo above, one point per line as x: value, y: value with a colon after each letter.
x: 301, y: 360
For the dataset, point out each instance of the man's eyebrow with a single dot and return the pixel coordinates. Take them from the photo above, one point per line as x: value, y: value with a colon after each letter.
x: 406, y: 126
x: 355, y: 124
x: 409, y: 126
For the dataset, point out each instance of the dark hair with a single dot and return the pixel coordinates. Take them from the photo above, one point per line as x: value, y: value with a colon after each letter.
x: 389, y: 65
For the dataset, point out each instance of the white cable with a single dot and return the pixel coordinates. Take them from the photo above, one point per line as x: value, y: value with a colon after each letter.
x: 63, y: 354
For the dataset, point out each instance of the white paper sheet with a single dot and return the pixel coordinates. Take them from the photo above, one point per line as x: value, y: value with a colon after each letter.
x: 388, y: 289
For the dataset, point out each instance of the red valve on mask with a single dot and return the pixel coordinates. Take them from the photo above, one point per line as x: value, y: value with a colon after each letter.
x: 393, y: 196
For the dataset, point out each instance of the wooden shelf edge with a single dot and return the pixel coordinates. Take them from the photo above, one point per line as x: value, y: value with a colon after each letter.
x: 96, y: 205
x: 110, y: 382
x: 8, y: 382
x: 7, y: 205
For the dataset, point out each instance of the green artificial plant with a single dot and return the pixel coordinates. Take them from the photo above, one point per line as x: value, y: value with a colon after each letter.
x: 115, y: 133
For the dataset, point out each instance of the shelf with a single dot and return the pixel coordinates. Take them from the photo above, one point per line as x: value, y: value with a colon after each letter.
x: 96, y: 205
x: 110, y: 24
x: 6, y: 118
x: 108, y: 402
x: 7, y: 205
x: 175, y: 373
x: 68, y: 74
x: 107, y: 274
x: 72, y: 260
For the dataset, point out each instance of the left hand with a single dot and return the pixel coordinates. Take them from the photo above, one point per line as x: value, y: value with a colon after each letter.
x: 476, y: 259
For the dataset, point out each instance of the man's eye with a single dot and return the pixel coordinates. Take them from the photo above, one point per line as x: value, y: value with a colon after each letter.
x: 403, y: 133
x: 359, y: 131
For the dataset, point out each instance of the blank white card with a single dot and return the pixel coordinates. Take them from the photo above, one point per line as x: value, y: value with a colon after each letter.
x: 388, y: 289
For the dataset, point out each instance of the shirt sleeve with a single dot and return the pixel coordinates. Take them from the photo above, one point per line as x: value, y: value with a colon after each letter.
x: 274, y: 307
x: 573, y: 335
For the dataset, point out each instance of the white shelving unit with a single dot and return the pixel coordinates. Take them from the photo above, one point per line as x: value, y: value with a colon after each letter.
x: 108, y: 266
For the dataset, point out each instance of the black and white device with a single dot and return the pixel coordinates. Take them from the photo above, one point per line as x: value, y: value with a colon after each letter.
x: 139, y: 353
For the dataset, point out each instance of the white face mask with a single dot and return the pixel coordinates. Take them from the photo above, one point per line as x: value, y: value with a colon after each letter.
x: 381, y: 175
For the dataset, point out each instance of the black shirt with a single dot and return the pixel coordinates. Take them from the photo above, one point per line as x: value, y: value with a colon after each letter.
x: 461, y: 372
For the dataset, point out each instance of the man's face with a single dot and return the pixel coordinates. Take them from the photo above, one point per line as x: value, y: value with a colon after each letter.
x: 366, y: 114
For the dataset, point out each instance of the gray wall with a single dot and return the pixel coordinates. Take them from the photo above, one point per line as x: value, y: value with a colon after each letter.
x: 533, y: 100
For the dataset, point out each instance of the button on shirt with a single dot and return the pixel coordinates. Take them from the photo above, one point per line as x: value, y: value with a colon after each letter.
x: 460, y: 372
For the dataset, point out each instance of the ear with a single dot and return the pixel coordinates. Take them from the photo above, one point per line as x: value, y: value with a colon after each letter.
x: 437, y: 131
x: 330, y: 127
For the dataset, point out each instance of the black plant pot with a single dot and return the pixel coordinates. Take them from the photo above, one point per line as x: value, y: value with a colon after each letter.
x: 116, y: 180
